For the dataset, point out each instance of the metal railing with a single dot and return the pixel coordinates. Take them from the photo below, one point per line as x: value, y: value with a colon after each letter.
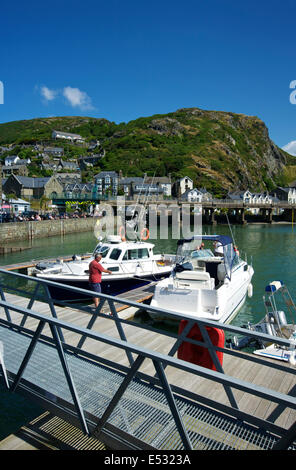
x: 135, y: 355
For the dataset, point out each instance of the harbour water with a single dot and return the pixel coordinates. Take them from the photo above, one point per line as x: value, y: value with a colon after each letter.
x: 269, y: 248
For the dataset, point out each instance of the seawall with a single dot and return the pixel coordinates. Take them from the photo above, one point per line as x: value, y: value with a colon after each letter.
x: 18, y: 231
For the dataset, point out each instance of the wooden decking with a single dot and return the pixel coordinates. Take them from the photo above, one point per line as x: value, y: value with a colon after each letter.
x: 242, y: 369
x: 49, y: 432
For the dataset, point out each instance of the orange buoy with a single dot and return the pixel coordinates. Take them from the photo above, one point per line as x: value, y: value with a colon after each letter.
x: 145, y: 234
x: 122, y: 233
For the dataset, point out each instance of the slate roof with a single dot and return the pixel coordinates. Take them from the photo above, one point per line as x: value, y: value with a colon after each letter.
x: 30, y: 182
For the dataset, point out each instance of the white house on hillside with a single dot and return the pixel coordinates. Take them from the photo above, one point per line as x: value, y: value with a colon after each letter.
x: 247, y: 197
x: 286, y: 194
x: 196, y: 195
x: 11, y: 160
x: 67, y: 136
x: 182, y: 185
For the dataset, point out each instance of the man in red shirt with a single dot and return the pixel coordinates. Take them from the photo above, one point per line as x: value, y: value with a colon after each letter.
x: 95, y: 276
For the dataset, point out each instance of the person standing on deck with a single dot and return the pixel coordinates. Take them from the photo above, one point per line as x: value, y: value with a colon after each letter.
x: 95, y: 276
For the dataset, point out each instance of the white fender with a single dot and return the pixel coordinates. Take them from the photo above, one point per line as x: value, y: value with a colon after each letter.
x: 250, y: 290
x: 292, y: 358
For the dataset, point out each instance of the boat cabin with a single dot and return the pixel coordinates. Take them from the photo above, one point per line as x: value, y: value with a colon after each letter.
x: 117, y: 250
x: 210, y: 267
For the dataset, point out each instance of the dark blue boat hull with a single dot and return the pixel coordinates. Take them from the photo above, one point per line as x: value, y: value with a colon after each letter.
x: 110, y: 288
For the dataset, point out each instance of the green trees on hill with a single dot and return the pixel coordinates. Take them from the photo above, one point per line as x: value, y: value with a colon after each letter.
x: 218, y: 150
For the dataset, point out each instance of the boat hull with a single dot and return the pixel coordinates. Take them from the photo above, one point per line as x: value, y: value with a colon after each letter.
x: 226, y: 302
x: 114, y: 287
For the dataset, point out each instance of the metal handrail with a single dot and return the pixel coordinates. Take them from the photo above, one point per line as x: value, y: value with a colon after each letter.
x: 161, y: 361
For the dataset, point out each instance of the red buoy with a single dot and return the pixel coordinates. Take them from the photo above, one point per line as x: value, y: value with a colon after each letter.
x: 198, y: 354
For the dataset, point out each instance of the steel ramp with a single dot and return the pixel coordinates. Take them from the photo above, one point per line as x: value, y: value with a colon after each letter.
x: 142, y: 415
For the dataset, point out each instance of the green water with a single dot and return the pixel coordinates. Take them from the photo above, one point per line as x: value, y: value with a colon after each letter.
x: 270, y: 248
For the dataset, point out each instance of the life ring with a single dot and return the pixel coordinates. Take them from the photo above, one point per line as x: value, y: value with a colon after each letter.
x: 145, y: 231
x: 121, y: 233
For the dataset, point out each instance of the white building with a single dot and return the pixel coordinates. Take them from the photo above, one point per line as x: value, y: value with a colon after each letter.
x: 11, y: 160
x: 192, y: 195
x: 18, y: 206
x: 67, y: 136
x: 247, y: 197
x: 286, y: 194
x: 183, y: 185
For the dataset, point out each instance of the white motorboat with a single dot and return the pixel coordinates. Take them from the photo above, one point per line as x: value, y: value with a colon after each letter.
x: 277, y: 323
x: 204, y: 284
x: 132, y: 263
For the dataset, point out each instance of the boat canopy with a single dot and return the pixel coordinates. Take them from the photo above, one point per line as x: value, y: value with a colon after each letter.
x: 187, y: 245
x: 223, y: 239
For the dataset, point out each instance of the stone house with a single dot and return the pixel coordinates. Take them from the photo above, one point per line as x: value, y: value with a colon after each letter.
x: 107, y: 181
x: 54, y: 151
x: 147, y: 190
x: 126, y: 184
x: 68, y: 178
x: 58, y: 164
x: 20, y: 169
x: 78, y: 189
x: 32, y: 188
x: 163, y: 182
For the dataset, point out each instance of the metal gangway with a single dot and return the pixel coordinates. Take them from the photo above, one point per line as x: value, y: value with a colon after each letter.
x: 138, y: 397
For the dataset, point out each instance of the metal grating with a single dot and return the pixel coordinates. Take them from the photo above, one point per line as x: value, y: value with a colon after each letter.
x: 142, y: 412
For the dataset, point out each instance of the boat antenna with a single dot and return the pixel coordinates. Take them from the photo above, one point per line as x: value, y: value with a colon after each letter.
x: 230, y: 229
x: 147, y: 193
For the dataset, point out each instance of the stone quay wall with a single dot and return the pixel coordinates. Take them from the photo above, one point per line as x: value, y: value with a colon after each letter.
x: 10, y: 232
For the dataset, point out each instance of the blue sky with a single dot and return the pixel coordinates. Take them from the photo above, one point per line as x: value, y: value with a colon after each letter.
x: 123, y: 60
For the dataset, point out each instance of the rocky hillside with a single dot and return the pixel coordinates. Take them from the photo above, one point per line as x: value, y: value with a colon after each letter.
x: 218, y: 150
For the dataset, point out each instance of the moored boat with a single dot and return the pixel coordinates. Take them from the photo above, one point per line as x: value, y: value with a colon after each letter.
x: 133, y: 263
x: 276, y: 322
x: 205, y: 284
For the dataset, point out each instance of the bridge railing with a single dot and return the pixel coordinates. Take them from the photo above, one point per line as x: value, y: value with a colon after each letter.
x: 135, y: 354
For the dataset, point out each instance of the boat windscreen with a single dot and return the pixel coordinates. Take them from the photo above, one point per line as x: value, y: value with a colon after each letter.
x: 102, y: 250
x: 196, y: 248
x: 204, y: 253
x: 229, y: 258
x: 185, y: 250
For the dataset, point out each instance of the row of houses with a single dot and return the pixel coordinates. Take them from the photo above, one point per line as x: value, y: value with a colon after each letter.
x: 287, y: 194
x: 52, y: 161
x: 112, y: 183
x: 105, y: 182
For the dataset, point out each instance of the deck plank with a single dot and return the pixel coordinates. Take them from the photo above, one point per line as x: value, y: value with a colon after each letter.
x: 248, y: 371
